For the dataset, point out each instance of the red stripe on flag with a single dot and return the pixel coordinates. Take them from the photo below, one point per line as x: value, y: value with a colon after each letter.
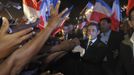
x: 96, y: 16
x: 32, y: 3
x: 115, y: 23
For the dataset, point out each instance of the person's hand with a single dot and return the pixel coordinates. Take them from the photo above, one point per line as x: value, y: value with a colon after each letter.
x: 66, y: 45
x: 79, y: 49
x: 23, y: 55
x: 56, y: 18
x: 9, y: 41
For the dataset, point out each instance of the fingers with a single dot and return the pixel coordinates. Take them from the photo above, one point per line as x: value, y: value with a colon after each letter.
x: 58, y: 5
x: 26, y: 37
x: 23, y: 32
x: 5, y: 25
x: 63, y: 12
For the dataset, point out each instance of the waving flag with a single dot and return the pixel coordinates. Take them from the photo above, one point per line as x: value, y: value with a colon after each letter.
x: 115, y: 15
x: 89, y: 10
x: 100, y: 10
x: 44, y: 13
x: 130, y: 5
x: 31, y: 9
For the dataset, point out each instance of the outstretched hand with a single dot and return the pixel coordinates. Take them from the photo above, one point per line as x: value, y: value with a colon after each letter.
x: 9, y: 41
x: 66, y: 45
x: 56, y: 18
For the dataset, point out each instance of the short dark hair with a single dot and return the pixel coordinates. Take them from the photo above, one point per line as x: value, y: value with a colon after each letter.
x: 94, y: 24
x: 106, y: 19
x: 129, y: 13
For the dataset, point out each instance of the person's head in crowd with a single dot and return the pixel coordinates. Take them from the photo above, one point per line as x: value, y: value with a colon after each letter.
x: 70, y: 27
x: 131, y: 17
x: 84, y: 32
x: 93, y: 30
x: 105, y: 24
x: 65, y: 29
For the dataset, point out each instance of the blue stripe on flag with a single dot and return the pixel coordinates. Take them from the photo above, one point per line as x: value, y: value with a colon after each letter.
x: 105, y: 5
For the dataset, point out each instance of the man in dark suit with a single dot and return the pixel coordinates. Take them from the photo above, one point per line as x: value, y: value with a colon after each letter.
x: 112, y: 39
x: 94, y: 52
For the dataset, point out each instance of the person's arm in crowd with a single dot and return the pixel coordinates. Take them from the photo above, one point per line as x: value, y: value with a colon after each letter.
x: 65, y: 45
x: 23, y: 55
x: 54, y: 56
x: 57, y: 51
x: 9, y: 41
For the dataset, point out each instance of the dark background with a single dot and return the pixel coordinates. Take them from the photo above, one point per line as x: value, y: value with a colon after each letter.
x: 78, y: 6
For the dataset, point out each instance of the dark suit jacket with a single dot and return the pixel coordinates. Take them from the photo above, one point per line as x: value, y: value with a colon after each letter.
x: 114, y: 40
x: 92, y: 60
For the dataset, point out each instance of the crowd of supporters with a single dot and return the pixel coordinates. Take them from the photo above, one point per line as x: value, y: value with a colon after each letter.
x: 93, y: 50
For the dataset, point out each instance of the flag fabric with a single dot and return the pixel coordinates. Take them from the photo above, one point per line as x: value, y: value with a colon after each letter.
x: 54, y: 2
x: 31, y: 9
x: 130, y: 5
x: 100, y: 10
x: 82, y: 25
x: 44, y: 13
x: 89, y: 5
x: 115, y: 17
x: 34, y: 9
x: 88, y: 11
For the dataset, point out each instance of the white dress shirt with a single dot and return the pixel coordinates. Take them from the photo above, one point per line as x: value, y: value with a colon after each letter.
x: 82, y: 50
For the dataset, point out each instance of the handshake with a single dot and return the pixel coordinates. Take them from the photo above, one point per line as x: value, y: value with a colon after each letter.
x: 69, y: 45
x: 66, y: 45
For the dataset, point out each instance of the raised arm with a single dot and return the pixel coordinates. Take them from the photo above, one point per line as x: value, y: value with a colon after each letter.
x: 9, y: 41
x: 23, y: 55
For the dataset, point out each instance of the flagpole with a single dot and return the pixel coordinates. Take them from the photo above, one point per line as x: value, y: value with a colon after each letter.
x: 83, y: 9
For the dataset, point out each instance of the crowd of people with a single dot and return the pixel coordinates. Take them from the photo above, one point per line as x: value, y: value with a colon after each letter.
x: 93, y: 50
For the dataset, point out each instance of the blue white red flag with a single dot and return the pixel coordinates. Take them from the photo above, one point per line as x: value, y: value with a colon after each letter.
x: 34, y: 9
x: 116, y: 15
x: 100, y: 10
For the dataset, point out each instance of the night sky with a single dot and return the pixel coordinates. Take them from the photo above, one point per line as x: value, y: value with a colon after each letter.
x: 78, y: 6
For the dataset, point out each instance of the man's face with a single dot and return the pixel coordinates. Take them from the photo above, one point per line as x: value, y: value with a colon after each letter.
x: 93, y: 32
x: 65, y: 29
x: 104, y: 25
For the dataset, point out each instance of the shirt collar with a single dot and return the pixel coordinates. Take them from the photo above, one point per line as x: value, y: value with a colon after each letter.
x: 93, y: 40
x: 106, y: 33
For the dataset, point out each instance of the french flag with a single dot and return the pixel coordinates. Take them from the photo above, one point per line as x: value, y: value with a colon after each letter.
x: 115, y: 17
x: 100, y: 10
x: 34, y: 9
x: 89, y: 10
x: 31, y: 9
x: 44, y: 13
